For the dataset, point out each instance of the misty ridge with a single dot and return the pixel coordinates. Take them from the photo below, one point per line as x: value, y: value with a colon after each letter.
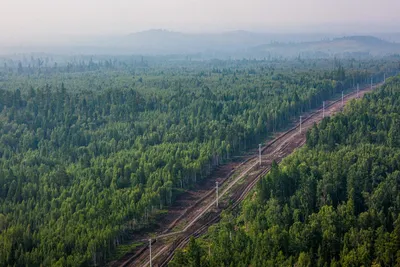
x: 233, y: 45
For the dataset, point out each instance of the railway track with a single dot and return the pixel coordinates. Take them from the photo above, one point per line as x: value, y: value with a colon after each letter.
x: 279, y: 148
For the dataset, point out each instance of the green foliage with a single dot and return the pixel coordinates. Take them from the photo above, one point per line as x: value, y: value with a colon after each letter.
x: 334, y: 202
x: 92, y: 150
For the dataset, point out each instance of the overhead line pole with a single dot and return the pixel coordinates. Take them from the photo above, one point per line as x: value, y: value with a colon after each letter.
x: 371, y: 83
x: 259, y: 152
x: 342, y: 99
x: 216, y: 189
x: 323, y: 109
x: 151, y: 263
x: 358, y: 89
x: 301, y: 117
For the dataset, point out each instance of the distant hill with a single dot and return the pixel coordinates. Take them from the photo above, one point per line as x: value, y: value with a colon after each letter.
x: 356, y: 45
x: 251, y: 44
x: 233, y: 44
x: 162, y: 41
x: 370, y: 40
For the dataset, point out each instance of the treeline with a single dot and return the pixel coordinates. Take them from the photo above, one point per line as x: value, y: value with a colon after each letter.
x: 44, y: 67
x: 335, y: 202
x: 81, y: 169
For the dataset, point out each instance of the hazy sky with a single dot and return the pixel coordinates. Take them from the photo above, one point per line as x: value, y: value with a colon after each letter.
x: 25, y: 19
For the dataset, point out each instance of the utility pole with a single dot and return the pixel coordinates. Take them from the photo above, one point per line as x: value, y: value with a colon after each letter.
x: 371, y: 83
x: 259, y: 152
x: 151, y: 263
x: 342, y: 99
x: 358, y: 89
x: 301, y: 117
x: 216, y: 189
x: 323, y: 109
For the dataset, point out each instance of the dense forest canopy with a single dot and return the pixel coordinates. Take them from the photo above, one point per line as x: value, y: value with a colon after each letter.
x: 92, y: 150
x: 335, y: 202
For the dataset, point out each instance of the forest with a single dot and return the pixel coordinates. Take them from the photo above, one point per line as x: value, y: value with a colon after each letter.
x: 334, y: 202
x: 93, y: 149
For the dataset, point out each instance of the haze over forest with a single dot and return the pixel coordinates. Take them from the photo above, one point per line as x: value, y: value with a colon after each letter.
x: 109, y: 27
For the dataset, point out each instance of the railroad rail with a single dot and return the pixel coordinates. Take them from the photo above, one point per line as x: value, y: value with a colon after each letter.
x: 182, y: 240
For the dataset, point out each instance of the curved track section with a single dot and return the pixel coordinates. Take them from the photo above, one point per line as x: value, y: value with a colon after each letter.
x: 237, y: 186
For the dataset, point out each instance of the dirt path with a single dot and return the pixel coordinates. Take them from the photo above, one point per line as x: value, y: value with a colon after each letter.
x: 195, y: 219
